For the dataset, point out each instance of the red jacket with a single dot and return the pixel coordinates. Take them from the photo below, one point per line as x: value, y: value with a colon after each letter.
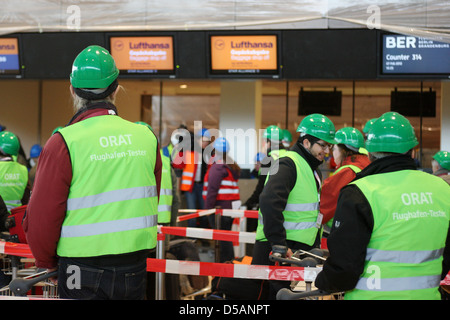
x: 47, y: 207
x: 333, y: 185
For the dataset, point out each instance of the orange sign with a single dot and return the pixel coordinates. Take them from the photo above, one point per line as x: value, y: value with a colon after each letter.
x: 143, y: 53
x: 244, y: 52
x: 9, y: 46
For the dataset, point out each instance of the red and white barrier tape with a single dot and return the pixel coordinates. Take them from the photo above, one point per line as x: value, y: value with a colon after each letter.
x: 238, y: 213
x: 15, y: 249
x: 230, y: 270
x: 211, y: 234
x: 195, y: 214
x: 225, y: 212
x: 204, y: 268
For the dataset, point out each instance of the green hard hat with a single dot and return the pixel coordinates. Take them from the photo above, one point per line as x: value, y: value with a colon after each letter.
x: 443, y: 158
x: 287, y: 136
x: 319, y: 126
x: 350, y: 137
x: 9, y: 143
x: 391, y: 132
x: 273, y: 133
x: 93, y: 68
x: 369, y: 125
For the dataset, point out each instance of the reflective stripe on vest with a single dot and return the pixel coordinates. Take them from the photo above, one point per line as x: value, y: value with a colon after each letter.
x: 228, y: 189
x: 187, y: 177
x: 109, y: 227
x: 111, y: 196
x: 13, y: 181
x: 301, y: 214
x: 411, y: 220
x: 112, y: 202
x: 165, y: 193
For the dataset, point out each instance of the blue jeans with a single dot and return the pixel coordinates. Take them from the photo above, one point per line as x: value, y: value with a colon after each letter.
x: 101, y: 283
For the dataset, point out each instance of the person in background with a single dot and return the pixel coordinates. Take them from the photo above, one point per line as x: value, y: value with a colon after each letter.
x: 97, y: 189
x: 221, y: 189
x: 15, y: 185
x: 349, y: 161
x: 194, y: 167
x: 272, y: 148
x: 256, y: 170
x: 5, y: 224
x: 368, y: 126
x: 287, y: 138
x: 35, y: 151
x: 289, y: 217
x: 389, y: 238
x: 440, y: 165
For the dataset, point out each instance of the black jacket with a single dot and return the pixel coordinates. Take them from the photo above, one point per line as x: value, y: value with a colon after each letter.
x: 273, y: 198
x: 348, y: 243
x: 3, y: 215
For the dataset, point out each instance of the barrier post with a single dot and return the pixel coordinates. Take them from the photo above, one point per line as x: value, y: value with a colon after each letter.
x: 159, y: 276
x: 217, y: 242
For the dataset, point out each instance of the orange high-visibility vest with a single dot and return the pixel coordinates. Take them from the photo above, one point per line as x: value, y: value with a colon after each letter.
x: 188, y: 175
x: 229, y: 189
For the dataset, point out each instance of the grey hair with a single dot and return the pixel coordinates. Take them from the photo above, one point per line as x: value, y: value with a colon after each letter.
x: 80, y: 103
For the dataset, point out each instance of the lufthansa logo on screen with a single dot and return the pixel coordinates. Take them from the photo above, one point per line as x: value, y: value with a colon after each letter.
x: 249, y: 44
x: 145, y: 45
x: 8, y: 47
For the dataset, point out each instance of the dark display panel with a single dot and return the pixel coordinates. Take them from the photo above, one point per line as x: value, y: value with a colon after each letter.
x: 324, y: 102
x: 414, y: 103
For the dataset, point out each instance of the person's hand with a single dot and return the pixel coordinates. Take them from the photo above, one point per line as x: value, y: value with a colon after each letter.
x: 53, y: 280
x: 289, y: 253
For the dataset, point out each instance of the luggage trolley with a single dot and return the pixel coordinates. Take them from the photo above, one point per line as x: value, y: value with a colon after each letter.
x: 25, y: 277
x: 21, y: 286
x: 303, y: 290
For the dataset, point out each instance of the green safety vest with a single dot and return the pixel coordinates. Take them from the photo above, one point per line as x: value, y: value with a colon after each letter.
x: 356, y: 170
x: 276, y: 154
x: 13, y: 181
x: 411, y: 220
x: 112, y: 203
x: 302, y: 207
x: 165, y: 194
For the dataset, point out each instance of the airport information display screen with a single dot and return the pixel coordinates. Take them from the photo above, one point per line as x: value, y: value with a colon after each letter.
x: 244, y: 55
x: 414, y: 56
x: 143, y: 55
x: 9, y: 56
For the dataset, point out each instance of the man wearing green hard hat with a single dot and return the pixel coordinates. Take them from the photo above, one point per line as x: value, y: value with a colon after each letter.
x: 272, y: 149
x: 440, y: 165
x: 388, y: 238
x: 289, y: 217
x: 15, y: 186
x: 94, y: 206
